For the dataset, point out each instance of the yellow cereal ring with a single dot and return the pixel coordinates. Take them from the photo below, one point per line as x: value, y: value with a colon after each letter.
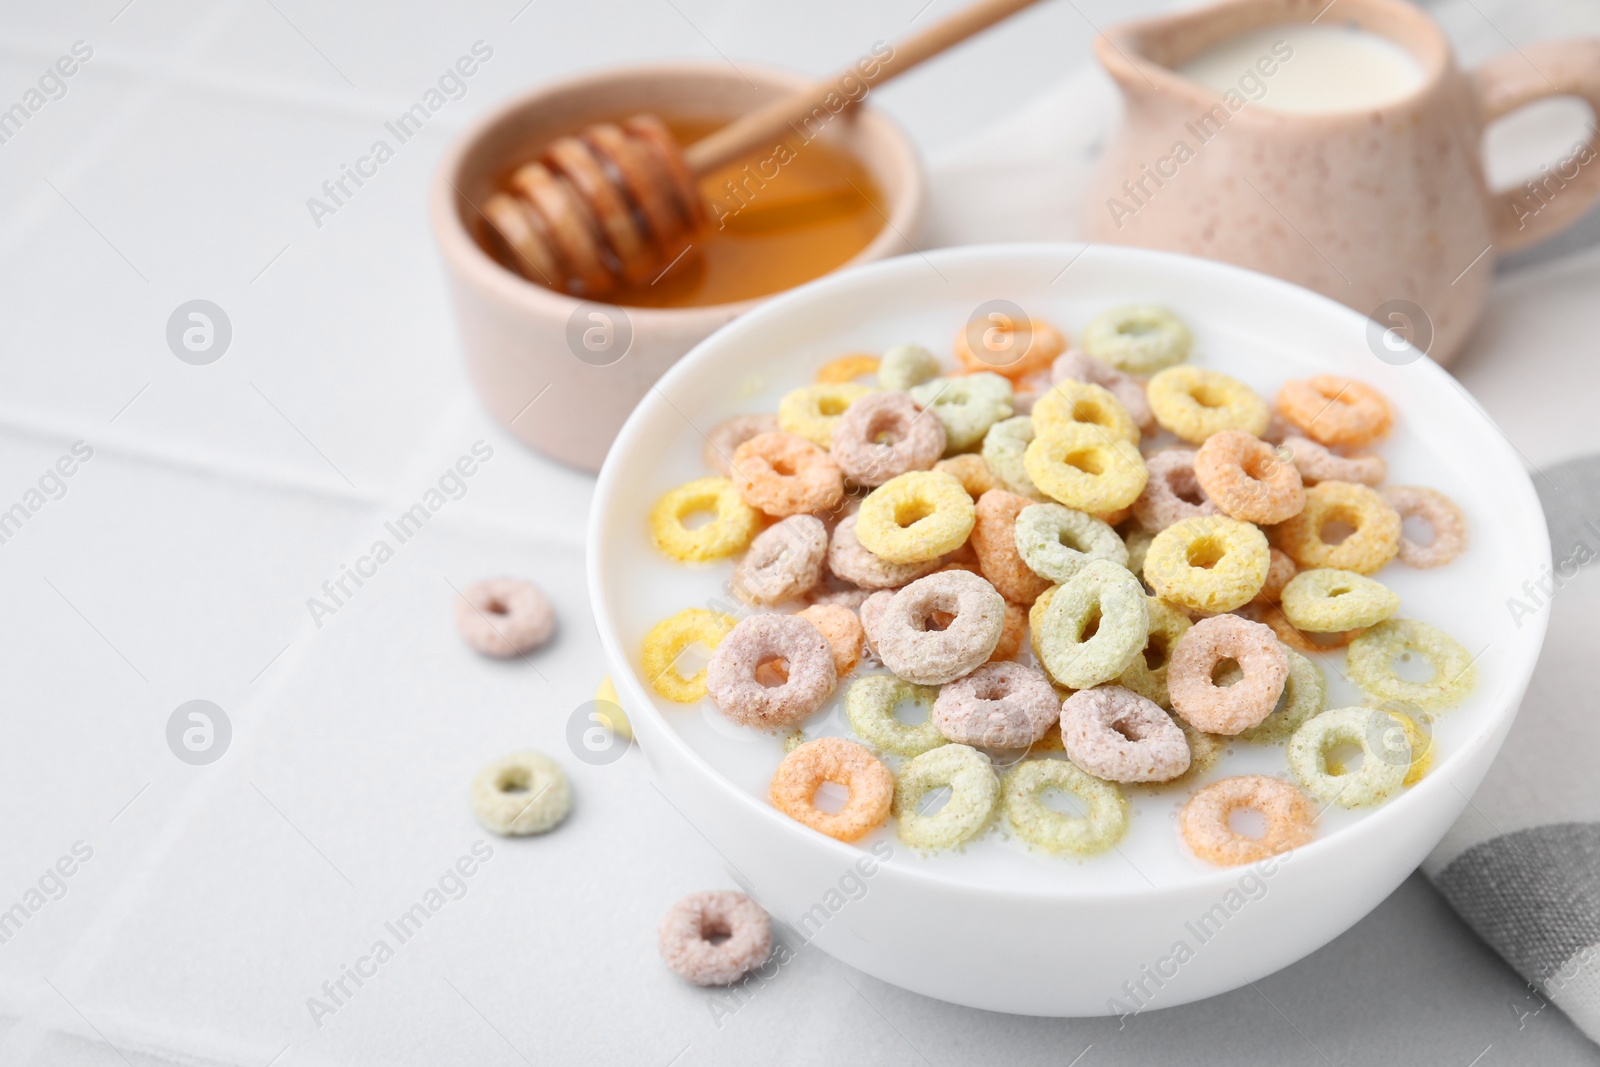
x: 730, y: 532
x: 665, y: 643
x: 1085, y: 467
x: 1325, y: 600
x: 811, y: 410
x: 917, y: 516
x: 1377, y: 529
x: 1209, y: 564
x: 1420, y: 742
x: 1195, y: 403
x: 1068, y: 402
x: 972, y: 471
x: 846, y: 369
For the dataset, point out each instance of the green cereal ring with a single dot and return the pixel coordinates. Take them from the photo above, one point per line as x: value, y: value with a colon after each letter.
x: 1147, y: 674
x: 1371, y: 663
x: 1138, y: 339
x: 1051, y: 831
x: 904, y: 366
x: 967, y: 406
x: 1326, y: 600
x: 1057, y: 542
x: 1105, y: 602
x: 1138, y: 541
x: 1305, y: 694
x: 869, y: 704
x: 973, y: 792
x: 1385, y: 756
x: 1210, y: 564
x: 1003, y: 448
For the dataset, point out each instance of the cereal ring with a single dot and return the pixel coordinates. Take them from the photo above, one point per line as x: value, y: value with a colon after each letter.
x: 1003, y: 448
x: 1230, y: 709
x: 1383, y: 765
x: 1078, y: 367
x: 1327, y: 600
x: 1209, y: 565
x: 1195, y: 403
x: 1011, y: 633
x: 834, y: 591
x: 786, y: 475
x: 726, y: 437
x: 1204, y: 749
x: 1273, y: 616
x: 905, y: 366
x: 1138, y: 541
x: 1173, y: 493
x: 1281, y: 570
x: 667, y: 640
x: 885, y: 435
x: 933, y: 657
x: 1070, y: 403
x: 1048, y: 830
x: 504, y: 617
x: 999, y: 705
x: 1335, y: 411
x: 973, y: 791
x: 833, y: 759
x: 850, y: 560
x: 841, y: 628
x: 994, y: 541
x: 967, y: 406
x: 972, y: 471
x: 1374, y: 542
x: 846, y: 369
x: 1421, y: 745
x: 523, y: 793
x: 915, y: 517
x: 1305, y: 694
x: 871, y: 612
x: 784, y: 561
x: 1147, y: 674
x: 740, y: 695
x: 811, y: 411
x: 1094, y: 626
x: 996, y: 343
x: 612, y: 716
x: 1057, y: 542
x: 1371, y: 665
x: 870, y: 704
x: 1317, y: 464
x: 714, y: 938
x: 1440, y: 513
x: 1084, y: 467
x: 1246, y: 478
x: 1139, y: 339
x: 1122, y: 737
x: 735, y: 522
x: 1289, y: 816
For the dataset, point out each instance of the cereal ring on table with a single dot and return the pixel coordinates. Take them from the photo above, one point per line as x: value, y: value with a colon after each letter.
x: 973, y: 786
x: 1172, y: 493
x: 1374, y: 542
x: 999, y: 705
x: 850, y: 560
x: 1084, y: 467
x: 1384, y: 760
x: 933, y: 657
x: 1335, y: 411
x: 1094, y: 626
x: 1439, y: 512
x: 1316, y: 463
x: 1011, y: 634
x: 714, y: 938
x: 1195, y: 403
x: 811, y: 411
x: 1070, y: 403
x: 1003, y: 448
x: 734, y: 524
x: 994, y: 541
x: 738, y: 693
x: 846, y: 369
x: 904, y: 366
x: 1325, y: 600
x: 1122, y: 737
x: 885, y: 435
x: 1021, y: 792
x: 1231, y: 709
x: 1281, y: 569
x: 845, y: 763
x: 1147, y: 674
x: 504, y: 617
x: 1057, y: 542
x: 1246, y: 478
x: 871, y: 613
x: 870, y: 704
x: 1139, y: 338
x: 1305, y: 693
x: 1209, y: 565
x: 967, y: 406
x: 523, y: 793
x: 1290, y: 820
x: 786, y: 475
x: 841, y: 628
x: 1007, y: 347
x: 1371, y: 665
x: 784, y: 561
x: 667, y: 640
x: 972, y: 471
x: 726, y: 437
x: 915, y: 517
x: 1078, y: 367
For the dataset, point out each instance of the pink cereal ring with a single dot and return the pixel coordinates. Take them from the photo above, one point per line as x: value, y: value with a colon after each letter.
x: 1440, y: 513
x: 714, y: 938
x: 833, y: 759
x: 504, y: 617
x: 732, y: 681
x: 871, y: 612
x: 1120, y: 736
x: 924, y: 656
x: 884, y: 435
x: 784, y: 562
x: 1173, y: 493
x: 726, y: 437
x: 1246, y: 478
x: 1129, y: 392
x: 849, y: 559
x: 1318, y: 463
x: 999, y: 705
x: 1230, y: 709
x: 1288, y: 813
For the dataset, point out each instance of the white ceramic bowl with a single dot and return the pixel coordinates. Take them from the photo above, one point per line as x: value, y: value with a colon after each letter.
x: 1144, y: 926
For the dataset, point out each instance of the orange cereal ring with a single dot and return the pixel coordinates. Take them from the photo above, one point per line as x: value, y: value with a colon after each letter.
x: 972, y: 471
x: 994, y: 539
x: 1247, y: 479
x: 833, y: 759
x: 1375, y: 539
x: 1016, y: 624
x: 1195, y: 403
x: 846, y: 369
x: 784, y: 475
x: 1086, y: 468
x: 1070, y: 401
x: 1288, y: 813
x: 1335, y: 411
x: 1000, y: 344
x: 842, y: 629
x: 1280, y: 569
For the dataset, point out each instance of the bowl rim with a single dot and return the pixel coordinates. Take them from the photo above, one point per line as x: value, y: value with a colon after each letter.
x: 1525, y: 508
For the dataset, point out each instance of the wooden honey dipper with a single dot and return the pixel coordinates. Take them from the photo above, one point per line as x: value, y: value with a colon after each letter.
x: 619, y: 202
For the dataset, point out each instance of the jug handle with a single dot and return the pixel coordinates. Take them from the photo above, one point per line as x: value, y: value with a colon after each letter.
x: 1507, y: 82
